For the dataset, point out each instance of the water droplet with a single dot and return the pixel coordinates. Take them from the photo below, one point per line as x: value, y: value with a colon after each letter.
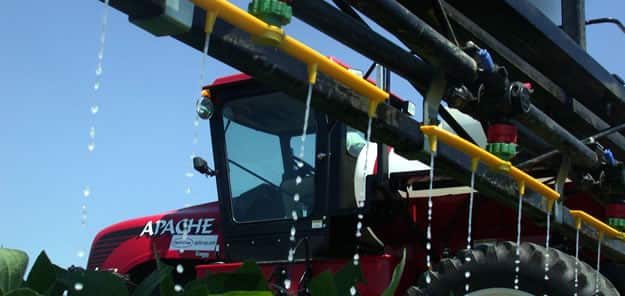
x: 428, y: 279
x: 516, y: 287
x: 466, y: 287
x: 78, y: 286
x: 91, y: 146
x: 80, y: 253
x: 96, y: 85
x: 188, y: 174
x: 188, y: 190
x: 428, y: 246
x: 358, y: 233
x: 98, y: 70
x: 517, y: 261
x: 516, y: 269
x: 296, y: 197
x: 195, y: 140
x: 359, y: 225
x: 298, y: 180
x: 360, y: 216
x: 86, y: 192
x: 65, y: 293
x: 92, y: 132
x: 178, y: 288
x: 361, y: 203
x: 179, y: 268
x: 467, y: 274
x: 196, y: 123
x: 287, y: 284
x: 356, y: 257
x: 294, y: 215
x: 467, y: 259
x: 291, y: 253
x: 352, y: 291
x: 516, y: 281
x: 546, y: 277
x: 94, y: 109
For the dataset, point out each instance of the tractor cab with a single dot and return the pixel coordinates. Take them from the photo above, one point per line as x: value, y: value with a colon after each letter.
x: 267, y: 174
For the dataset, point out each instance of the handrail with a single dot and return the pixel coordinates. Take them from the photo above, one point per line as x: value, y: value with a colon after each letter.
x: 596, y: 223
x: 436, y: 133
x: 291, y: 46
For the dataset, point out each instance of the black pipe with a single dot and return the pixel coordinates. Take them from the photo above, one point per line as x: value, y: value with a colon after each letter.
x: 574, y: 20
x: 549, y: 130
x: 361, y: 38
x: 420, y: 37
x: 532, y: 162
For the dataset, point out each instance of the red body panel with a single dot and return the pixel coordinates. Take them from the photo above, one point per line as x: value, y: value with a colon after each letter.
x: 123, y: 247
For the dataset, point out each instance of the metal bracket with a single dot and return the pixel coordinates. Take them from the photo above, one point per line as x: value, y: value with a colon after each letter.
x: 433, y: 98
x: 432, y: 101
x: 563, y: 172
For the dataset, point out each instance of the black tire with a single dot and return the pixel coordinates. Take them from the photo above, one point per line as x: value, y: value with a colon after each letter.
x: 492, y: 266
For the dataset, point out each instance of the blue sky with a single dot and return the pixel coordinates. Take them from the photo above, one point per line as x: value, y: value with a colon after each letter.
x: 144, y: 127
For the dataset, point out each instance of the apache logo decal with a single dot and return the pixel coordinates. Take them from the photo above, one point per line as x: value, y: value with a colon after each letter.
x: 184, y: 226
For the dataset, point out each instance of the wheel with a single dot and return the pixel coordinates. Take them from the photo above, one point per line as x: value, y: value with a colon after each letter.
x: 491, y: 269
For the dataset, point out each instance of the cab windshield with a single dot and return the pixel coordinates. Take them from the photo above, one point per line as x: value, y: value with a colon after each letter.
x: 267, y: 174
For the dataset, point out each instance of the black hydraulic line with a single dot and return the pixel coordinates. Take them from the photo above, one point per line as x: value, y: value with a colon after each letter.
x: 446, y: 25
x: 420, y: 37
x: 532, y: 162
x: 604, y: 20
x: 554, y: 134
x: 360, y: 37
x: 370, y: 70
x: 349, y: 10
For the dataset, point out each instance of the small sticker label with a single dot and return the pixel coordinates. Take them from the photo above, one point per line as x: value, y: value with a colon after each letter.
x: 316, y: 224
x: 193, y: 242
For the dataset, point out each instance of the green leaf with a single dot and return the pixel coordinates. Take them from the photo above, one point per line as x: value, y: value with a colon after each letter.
x: 152, y: 281
x: 248, y: 277
x: 347, y: 277
x: 23, y: 292
x: 42, y: 276
x: 12, y: 268
x: 244, y: 293
x: 397, y: 273
x: 92, y: 283
x: 323, y: 285
x: 195, y: 288
x: 167, y: 282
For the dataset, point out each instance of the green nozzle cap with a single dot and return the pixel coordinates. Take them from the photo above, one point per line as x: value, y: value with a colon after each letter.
x: 617, y: 223
x: 273, y: 12
x: 505, y: 151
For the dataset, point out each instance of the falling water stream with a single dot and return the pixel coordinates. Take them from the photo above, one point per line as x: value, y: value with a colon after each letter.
x: 94, y: 108
x: 428, y: 244
x: 597, y: 274
x: 467, y: 259
x: 547, y: 246
x: 298, y: 181
x: 517, y: 259
x: 361, y: 203
x: 576, y: 261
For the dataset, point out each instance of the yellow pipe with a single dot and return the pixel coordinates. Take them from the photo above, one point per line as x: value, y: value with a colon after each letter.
x: 489, y: 159
x: 291, y: 46
x: 601, y: 227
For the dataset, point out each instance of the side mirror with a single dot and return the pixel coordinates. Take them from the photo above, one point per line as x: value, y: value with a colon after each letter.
x: 200, y: 165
